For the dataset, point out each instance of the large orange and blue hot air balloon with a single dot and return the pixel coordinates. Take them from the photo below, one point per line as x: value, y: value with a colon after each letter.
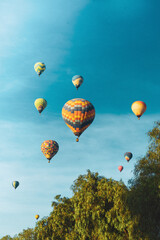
x: 49, y: 148
x: 128, y: 156
x: 39, y: 67
x: 78, y: 114
x: 77, y: 80
x: 138, y: 108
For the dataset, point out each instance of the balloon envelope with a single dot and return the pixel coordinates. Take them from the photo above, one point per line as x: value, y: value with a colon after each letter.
x: 40, y: 104
x: 138, y: 108
x: 36, y: 216
x: 78, y: 114
x: 15, y: 184
x: 120, y: 168
x: 49, y: 148
x: 39, y: 67
x: 128, y: 156
x: 77, y: 81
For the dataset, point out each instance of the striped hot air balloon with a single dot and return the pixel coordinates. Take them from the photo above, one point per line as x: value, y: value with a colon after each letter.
x: 49, y: 148
x: 78, y: 114
x: 77, y: 80
x: 40, y: 104
x: 39, y: 67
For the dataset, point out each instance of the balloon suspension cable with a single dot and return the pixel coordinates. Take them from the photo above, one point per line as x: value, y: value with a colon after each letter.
x: 77, y: 139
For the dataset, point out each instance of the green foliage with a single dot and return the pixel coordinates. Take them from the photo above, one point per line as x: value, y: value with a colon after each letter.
x: 7, y: 237
x: 100, y: 211
x: 96, y: 211
x: 144, y: 199
x: 27, y: 234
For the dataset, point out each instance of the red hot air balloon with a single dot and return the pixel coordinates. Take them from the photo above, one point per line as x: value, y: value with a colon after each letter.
x: 120, y: 168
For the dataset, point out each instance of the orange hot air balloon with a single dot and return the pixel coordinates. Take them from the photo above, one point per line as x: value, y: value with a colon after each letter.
x: 138, y: 108
x: 120, y: 168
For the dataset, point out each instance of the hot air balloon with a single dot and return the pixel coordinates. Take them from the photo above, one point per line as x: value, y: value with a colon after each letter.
x: 78, y: 114
x: 120, y: 168
x: 49, y: 148
x: 36, y: 216
x: 77, y: 80
x: 39, y: 67
x: 138, y: 108
x: 15, y: 184
x: 40, y: 104
x: 128, y: 156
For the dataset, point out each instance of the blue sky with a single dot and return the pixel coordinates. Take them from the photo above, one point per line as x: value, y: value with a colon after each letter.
x: 114, y: 45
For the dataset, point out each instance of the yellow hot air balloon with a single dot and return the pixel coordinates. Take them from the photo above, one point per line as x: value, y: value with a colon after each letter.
x: 78, y: 114
x: 39, y: 67
x: 36, y: 216
x: 40, y: 104
x: 138, y: 108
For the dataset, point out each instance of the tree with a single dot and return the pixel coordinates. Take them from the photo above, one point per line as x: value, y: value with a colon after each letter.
x: 27, y: 234
x: 100, y: 209
x: 7, y: 237
x: 96, y: 211
x: 144, y: 200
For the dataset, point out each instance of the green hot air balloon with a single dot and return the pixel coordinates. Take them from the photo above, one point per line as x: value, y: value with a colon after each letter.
x: 15, y: 184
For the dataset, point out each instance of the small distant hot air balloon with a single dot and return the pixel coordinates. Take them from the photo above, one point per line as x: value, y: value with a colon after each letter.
x: 120, y: 168
x: 39, y: 67
x: 15, y: 184
x: 78, y: 114
x: 77, y: 80
x: 138, y: 108
x: 40, y: 104
x: 36, y: 216
x: 128, y: 156
x: 49, y: 148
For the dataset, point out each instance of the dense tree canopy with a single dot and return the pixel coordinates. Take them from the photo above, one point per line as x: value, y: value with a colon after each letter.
x: 105, y: 209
